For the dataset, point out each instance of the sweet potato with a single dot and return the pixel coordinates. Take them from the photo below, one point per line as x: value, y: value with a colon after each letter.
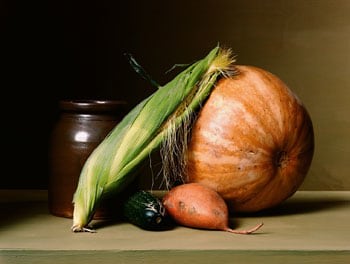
x: 198, y: 206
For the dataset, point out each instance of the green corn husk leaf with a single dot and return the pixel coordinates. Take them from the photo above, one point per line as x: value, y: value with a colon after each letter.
x: 114, y: 163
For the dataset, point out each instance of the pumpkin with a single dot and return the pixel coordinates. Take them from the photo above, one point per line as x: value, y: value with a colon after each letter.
x: 253, y: 141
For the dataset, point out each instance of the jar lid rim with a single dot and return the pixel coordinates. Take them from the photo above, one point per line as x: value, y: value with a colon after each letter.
x: 91, y: 105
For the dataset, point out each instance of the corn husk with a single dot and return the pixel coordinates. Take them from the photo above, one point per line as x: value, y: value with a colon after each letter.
x: 115, y: 162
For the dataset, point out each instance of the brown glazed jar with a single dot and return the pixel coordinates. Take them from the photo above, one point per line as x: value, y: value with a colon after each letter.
x: 81, y: 126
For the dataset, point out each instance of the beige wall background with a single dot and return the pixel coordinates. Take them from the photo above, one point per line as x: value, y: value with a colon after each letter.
x: 305, y: 42
x: 74, y: 49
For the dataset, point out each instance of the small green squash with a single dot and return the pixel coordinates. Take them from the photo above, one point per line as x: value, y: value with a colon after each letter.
x: 146, y: 211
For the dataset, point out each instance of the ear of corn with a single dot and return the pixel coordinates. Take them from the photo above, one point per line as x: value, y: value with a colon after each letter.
x: 114, y: 163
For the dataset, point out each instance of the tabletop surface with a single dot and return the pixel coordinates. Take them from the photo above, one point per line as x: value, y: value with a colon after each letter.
x: 313, y: 222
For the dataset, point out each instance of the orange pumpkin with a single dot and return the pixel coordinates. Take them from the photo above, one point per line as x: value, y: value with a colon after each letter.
x: 252, y: 142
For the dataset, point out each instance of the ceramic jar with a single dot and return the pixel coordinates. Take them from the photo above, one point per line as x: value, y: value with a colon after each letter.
x: 81, y: 126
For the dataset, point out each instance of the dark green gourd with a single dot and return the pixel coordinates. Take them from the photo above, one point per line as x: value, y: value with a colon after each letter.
x: 146, y: 211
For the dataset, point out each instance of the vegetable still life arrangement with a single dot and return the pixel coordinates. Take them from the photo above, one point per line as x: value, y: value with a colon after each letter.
x: 232, y: 138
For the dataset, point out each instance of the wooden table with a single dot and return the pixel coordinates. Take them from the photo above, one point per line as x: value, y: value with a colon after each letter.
x: 310, y: 227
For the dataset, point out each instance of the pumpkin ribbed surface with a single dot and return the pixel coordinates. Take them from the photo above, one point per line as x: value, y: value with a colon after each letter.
x: 252, y: 142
